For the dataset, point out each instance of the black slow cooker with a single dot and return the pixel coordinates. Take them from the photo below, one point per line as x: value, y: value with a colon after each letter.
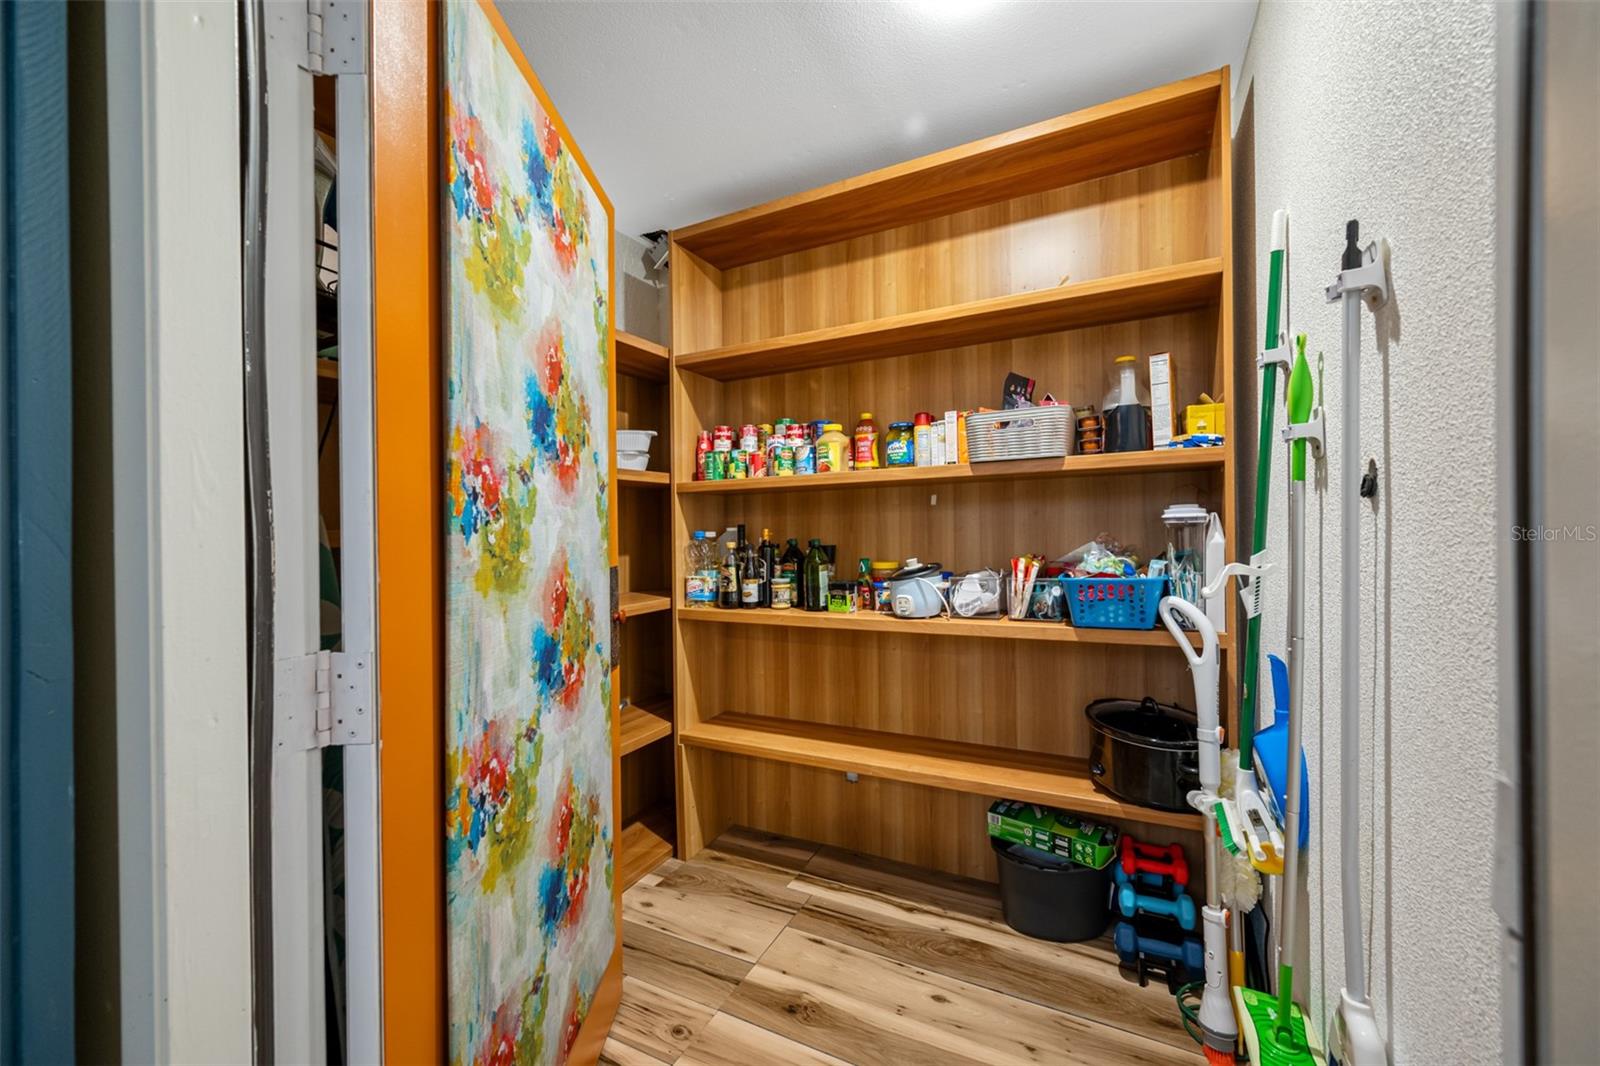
x: 1144, y: 752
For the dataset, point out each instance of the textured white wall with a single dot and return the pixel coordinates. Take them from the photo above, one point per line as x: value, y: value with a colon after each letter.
x: 1385, y: 112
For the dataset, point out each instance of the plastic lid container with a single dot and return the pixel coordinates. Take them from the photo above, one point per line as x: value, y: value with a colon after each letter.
x: 924, y: 419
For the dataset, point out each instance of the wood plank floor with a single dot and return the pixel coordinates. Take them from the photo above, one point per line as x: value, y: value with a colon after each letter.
x: 765, y: 950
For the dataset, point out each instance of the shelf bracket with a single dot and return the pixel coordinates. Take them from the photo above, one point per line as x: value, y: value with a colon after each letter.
x: 1370, y: 279
x: 1312, y: 431
x: 1279, y: 356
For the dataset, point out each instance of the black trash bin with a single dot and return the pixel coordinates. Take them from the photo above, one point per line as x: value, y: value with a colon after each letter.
x: 1050, y: 898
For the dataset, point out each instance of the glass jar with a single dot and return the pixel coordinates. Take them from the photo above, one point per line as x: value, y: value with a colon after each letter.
x: 899, y: 448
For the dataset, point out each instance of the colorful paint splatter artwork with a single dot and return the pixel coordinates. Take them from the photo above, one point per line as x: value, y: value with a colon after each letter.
x: 528, y: 803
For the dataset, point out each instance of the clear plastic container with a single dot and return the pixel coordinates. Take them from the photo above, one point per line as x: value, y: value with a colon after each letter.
x: 1127, y: 410
x: 700, y: 570
x: 1186, y: 546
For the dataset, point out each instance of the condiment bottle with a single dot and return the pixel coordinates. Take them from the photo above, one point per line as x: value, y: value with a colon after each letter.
x: 818, y: 575
x: 767, y: 557
x: 728, y: 578
x: 922, y: 436
x: 866, y: 443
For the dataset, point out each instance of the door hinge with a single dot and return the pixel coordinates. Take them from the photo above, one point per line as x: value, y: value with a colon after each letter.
x: 336, y: 36
x: 323, y: 700
x: 616, y: 611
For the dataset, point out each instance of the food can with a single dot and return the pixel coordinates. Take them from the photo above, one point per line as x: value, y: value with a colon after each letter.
x: 738, y: 465
x: 702, y: 445
x: 783, y: 465
x: 716, y: 466
x: 748, y: 438
x: 722, y: 439
x: 805, y: 458
x: 817, y: 428
x: 764, y: 434
x: 782, y: 593
x: 756, y: 462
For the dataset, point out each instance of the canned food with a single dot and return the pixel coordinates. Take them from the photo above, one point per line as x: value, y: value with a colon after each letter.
x: 783, y: 466
x: 738, y: 465
x: 805, y: 458
x: 722, y: 439
x: 716, y: 465
x: 749, y: 439
x: 756, y: 461
x: 702, y: 445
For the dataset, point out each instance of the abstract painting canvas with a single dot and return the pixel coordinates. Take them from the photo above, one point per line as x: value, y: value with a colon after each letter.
x: 529, y: 775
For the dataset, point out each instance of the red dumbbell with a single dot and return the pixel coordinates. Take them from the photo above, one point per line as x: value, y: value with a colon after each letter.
x: 1163, y: 859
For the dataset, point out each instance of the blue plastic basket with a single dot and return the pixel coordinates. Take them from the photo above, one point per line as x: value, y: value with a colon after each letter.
x: 1115, y: 602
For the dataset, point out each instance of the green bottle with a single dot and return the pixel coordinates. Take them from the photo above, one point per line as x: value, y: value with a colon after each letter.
x: 818, y: 574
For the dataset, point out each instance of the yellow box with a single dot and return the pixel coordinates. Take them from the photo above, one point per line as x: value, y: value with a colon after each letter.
x: 1206, y: 418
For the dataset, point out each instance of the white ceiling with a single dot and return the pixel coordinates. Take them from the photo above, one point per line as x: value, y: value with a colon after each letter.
x: 687, y: 110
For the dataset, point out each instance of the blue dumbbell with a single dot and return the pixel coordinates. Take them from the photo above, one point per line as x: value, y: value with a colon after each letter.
x: 1180, y: 908
x: 1144, y: 878
x: 1188, y: 952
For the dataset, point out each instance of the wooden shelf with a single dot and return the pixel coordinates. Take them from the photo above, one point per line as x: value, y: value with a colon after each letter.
x: 644, y: 724
x: 1101, y: 302
x: 975, y: 768
x: 644, y: 843
x: 641, y: 358
x: 643, y: 477
x: 1071, y: 466
x: 986, y: 628
x: 637, y: 603
x: 1164, y: 123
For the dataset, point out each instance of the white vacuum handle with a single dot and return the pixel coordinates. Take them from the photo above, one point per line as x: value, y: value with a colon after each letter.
x: 1203, y: 665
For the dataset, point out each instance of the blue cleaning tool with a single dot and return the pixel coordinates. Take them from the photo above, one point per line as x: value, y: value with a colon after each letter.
x: 1271, y: 750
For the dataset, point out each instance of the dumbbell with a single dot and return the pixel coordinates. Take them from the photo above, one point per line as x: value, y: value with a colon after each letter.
x: 1156, y: 859
x: 1180, y: 908
x: 1188, y: 952
x: 1159, y: 882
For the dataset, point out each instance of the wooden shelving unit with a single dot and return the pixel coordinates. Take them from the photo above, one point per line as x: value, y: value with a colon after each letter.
x: 644, y: 571
x: 645, y: 842
x: 1046, y: 251
x: 650, y: 478
x: 978, y: 769
x: 641, y: 358
x: 1102, y: 302
x: 1071, y: 466
x: 970, y: 628
x: 645, y: 724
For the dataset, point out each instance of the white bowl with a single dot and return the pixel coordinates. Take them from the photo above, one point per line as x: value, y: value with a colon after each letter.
x: 633, y: 460
x: 634, y: 440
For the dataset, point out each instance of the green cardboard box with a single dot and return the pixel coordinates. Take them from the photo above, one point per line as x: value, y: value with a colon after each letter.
x: 1049, y: 830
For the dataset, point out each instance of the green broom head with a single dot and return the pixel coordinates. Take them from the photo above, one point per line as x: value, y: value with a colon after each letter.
x: 1270, y: 1039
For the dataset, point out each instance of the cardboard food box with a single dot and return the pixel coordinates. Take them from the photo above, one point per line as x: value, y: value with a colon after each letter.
x: 1049, y: 830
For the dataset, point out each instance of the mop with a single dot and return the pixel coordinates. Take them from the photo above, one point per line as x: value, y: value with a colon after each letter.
x: 1263, y: 838
x: 1219, y: 1030
x: 1274, y: 1027
x: 1353, y: 1035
